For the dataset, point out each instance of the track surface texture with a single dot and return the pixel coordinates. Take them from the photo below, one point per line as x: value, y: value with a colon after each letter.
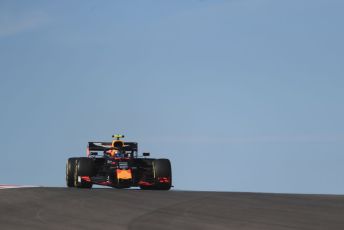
x: 61, y: 208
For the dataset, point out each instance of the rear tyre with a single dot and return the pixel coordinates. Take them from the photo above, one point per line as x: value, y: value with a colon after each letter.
x: 162, y: 174
x: 83, y: 167
x: 70, y: 166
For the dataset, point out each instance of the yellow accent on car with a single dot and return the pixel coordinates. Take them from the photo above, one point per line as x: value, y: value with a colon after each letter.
x: 124, y: 174
x: 118, y: 136
x: 117, y: 144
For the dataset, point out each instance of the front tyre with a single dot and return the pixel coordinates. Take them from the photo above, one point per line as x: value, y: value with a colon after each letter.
x: 70, y: 166
x: 162, y: 174
x: 83, y: 167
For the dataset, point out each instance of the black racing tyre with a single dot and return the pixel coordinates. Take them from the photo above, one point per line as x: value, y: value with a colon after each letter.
x: 70, y: 166
x: 162, y: 169
x: 84, y: 166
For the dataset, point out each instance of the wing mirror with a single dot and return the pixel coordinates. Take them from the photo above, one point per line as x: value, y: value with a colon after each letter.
x: 146, y: 154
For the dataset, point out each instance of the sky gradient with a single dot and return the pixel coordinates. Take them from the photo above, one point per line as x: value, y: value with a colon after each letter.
x: 240, y: 95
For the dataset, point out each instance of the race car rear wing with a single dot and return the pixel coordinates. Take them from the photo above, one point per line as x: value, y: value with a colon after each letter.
x: 103, y: 146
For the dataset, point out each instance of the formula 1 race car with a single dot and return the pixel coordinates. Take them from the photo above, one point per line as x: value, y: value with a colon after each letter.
x: 117, y: 164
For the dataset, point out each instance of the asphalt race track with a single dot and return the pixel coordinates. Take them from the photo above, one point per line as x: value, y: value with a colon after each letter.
x: 62, y: 208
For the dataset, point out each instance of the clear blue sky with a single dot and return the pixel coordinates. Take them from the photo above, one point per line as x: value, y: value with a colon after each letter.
x: 242, y: 95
